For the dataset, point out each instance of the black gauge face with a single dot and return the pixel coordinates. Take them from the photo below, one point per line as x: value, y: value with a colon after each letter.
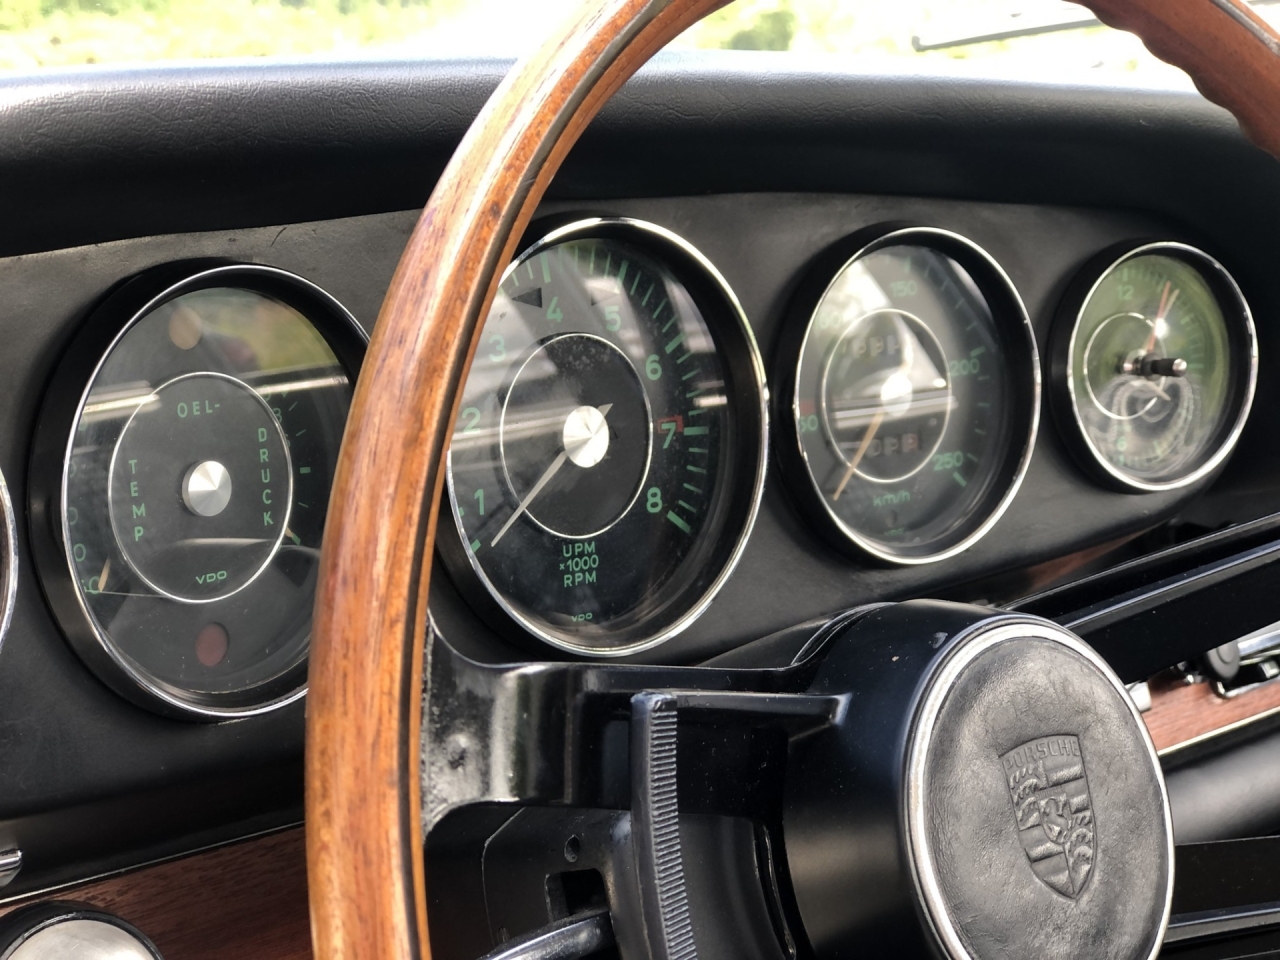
x: 196, y: 484
x: 606, y: 462
x: 1160, y: 367
x: 913, y: 405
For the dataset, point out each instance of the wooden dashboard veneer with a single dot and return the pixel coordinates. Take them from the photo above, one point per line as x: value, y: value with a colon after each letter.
x: 1181, y: 713
x: 363, y: 755
x: 246, y: 901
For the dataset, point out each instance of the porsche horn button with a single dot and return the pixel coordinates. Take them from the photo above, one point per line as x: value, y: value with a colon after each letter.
x: 991, y: 790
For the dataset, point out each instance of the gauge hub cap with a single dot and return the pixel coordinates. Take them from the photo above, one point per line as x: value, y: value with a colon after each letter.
x: 586, y: 436
x: 206, y: 489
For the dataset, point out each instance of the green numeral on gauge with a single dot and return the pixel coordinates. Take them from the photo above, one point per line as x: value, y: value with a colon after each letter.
x: 653, y: 500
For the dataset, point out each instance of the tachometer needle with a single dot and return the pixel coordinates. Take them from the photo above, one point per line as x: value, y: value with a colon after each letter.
x: 543, y: 480
x: 861, y: 452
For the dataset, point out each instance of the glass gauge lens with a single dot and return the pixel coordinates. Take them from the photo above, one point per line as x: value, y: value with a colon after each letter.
x: 1160, y: 367
x: 607, y: 460
x: 914, y: 396
x: 196, y: 484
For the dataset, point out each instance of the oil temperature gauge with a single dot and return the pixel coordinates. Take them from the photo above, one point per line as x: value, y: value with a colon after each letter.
x: 1155, y: 365
x: 181, y: 478
x: 199, y: 433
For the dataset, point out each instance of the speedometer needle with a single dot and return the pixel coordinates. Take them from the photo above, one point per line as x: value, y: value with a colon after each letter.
x: 543, y: 480
x: 862, y: 450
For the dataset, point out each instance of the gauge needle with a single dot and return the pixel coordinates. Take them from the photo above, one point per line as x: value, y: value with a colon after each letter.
x: 1166, y: 304
x: 543, y: 480
x: 861, y: 452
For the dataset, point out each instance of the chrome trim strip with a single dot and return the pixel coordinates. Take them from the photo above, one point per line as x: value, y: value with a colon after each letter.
x: 1220, y: 731
x: 8, y: 567
x: 1215, y: 923
x: 70, y: 885
x: 10, y: 864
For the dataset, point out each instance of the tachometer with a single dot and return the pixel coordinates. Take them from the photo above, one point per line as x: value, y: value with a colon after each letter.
x: 913, y: 396
x: 1155, y: 365
x: 608, y: 456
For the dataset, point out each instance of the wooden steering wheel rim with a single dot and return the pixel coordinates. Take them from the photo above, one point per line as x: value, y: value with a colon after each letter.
x: 364, y: 834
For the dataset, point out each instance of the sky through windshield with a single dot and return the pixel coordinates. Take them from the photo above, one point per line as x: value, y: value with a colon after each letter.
x: 914, y: 35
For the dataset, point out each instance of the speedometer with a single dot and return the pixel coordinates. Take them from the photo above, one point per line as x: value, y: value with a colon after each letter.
x: 608, y: 456
x: 914, y: 394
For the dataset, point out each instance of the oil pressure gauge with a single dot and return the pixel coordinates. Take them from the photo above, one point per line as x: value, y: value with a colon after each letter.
x: 181, y: 479
x: 1155, y: 363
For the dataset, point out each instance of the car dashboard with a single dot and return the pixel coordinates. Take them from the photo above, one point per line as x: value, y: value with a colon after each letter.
x: 674, y: 445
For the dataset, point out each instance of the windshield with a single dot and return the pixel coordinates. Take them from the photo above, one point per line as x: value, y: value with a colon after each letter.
x: 1046, y: 40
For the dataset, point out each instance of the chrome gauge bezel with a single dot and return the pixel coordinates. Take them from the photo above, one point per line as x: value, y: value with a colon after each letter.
x: 753, y: 402
x: 1013, y: 322
x: 8, y: 560
x: 52, y: 452
x: 1240, y: 330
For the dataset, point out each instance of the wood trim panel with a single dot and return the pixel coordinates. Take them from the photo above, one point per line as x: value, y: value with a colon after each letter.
x: 1182, y: 712
x: 364, y: 709
x: 246, y: 901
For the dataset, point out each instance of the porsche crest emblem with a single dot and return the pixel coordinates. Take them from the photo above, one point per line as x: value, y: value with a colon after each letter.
x: 1054, y: 814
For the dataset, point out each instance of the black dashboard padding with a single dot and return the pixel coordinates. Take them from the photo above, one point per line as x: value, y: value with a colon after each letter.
x: 1226, y: 795
x: 92, y: 155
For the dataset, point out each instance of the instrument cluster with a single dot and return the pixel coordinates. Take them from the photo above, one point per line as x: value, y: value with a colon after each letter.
x: 612, y: 443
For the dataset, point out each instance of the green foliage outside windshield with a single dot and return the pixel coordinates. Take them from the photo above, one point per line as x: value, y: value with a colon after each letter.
x: 879, y: 33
